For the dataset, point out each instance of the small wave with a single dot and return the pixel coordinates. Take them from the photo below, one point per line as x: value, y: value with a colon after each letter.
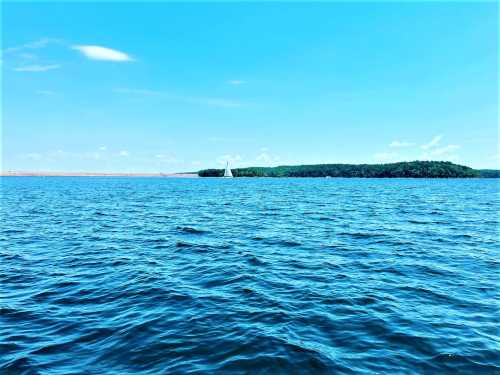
x: 240, y: 279
x: 393, y: 242
x: 159, y: 243
x: 6, y: 347
x: 45, y: 295
x: 201, y: 246
x: 16, y: 257
x: 414, y: 221
x: 255, y: 261
x: 65, y: 284
x: 436, y: 296
x: 361, y: 235
x: 19, y: 365
x: 279, y: 242
x: 326, y: 218
x: 288, y: 243
x: 182, y: 244
x: 13, y: 231
x: 459, y: 363
x: 53, y: 349
x: 119, y: 262
x: 191, y: 230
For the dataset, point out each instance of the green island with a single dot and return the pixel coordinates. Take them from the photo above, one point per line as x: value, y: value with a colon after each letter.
x: 413, y: 169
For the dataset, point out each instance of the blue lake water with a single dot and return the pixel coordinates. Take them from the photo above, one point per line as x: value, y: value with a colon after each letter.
x: 274, y: 276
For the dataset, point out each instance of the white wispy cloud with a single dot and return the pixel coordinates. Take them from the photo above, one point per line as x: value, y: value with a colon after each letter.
x: 37, y: 68
x: 432, y: 151
x: 401, y: 144
x: 102, y: 53
x: 445, y: 153
x: 236, y: 82
x: 98, y: 154
x: 24, y: 57
x: 37, y: 44
x: 433, y: 142
x: 207, y: 101
x: 444, y: 150
x: 266, y: 159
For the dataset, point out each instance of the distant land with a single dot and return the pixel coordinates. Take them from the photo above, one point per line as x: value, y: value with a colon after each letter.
x: 93, y: 174
x: 414, y: 169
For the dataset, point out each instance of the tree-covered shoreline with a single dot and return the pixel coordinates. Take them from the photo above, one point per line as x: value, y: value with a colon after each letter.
x: 414, y: 169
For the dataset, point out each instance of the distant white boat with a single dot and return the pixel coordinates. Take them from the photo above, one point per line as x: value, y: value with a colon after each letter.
x: 227, y: 172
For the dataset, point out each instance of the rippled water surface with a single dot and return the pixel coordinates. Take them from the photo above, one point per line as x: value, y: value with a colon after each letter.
x: 151, y: 275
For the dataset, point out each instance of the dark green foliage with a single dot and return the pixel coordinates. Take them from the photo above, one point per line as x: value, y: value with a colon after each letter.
x: 211, y: 173
x: 489, y: 173
x: 415, y: 169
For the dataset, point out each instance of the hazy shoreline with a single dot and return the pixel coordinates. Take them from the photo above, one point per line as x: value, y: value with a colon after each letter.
x: 93, y: 174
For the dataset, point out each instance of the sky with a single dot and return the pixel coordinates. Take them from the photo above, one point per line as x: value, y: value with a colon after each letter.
x: 170, y: 87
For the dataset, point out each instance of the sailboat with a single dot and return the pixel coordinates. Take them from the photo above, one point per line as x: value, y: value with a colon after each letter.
x: 227, y: 171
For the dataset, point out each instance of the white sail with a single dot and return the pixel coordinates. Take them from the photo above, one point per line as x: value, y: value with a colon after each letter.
x: 227, y: 172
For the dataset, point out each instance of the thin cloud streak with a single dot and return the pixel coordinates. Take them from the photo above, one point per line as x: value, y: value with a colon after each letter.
x: 93, y: 52
x: 445, y: 150
x: 213, y: 102
x: 434, y: 142
x: 37, y: 68
x: 37, y: 44
x: 266, y: 159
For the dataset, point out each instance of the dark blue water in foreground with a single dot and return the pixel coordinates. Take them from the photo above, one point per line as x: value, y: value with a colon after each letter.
x: 276, y: 276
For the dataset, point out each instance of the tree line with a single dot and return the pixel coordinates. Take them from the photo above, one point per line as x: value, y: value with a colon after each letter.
x: 414, y: 169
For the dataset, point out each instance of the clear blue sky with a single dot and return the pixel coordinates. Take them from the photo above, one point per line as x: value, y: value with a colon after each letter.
x: 180, y: 87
